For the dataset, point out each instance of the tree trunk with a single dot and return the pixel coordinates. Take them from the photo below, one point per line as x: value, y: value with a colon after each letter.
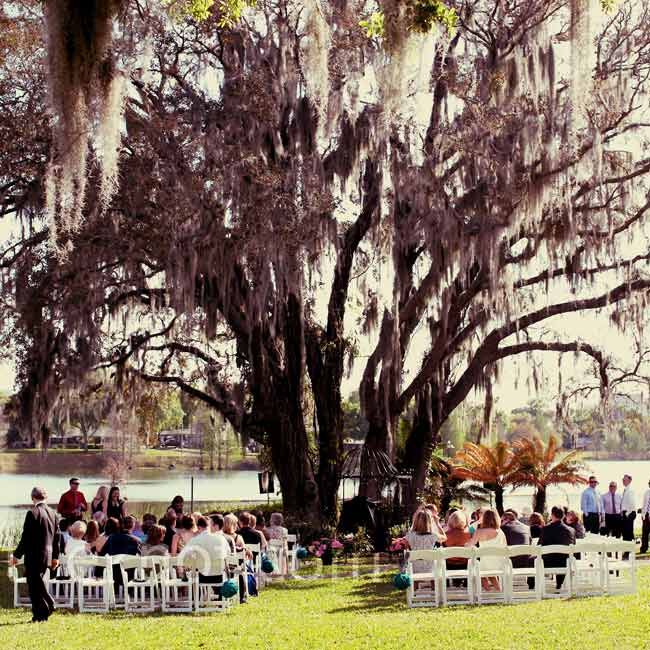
x: 539, y: 500
x: 498, y: 498
x: 421, y: 442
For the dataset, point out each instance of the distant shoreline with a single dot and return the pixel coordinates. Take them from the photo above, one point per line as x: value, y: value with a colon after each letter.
x: 82, y: 463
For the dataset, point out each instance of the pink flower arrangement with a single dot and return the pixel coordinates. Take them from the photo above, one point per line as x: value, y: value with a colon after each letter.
x: 398, y: 544
x: 319, y: 547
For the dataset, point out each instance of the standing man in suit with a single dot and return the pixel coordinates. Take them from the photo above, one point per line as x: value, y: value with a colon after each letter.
x: 628, y: 509
x: 645, y: 516
x: 39, y: 545
x: 612, y: 508
x: 557, y: 532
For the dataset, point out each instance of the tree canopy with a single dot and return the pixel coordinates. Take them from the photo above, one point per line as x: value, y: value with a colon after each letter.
x: 245, y: 208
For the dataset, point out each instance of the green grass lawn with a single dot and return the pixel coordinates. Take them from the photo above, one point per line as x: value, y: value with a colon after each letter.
x: 351, y: 613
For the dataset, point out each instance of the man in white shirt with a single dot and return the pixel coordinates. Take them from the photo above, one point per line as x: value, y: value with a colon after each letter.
x: 628, y: 509
x: 208, y: 552
x: 612, y: 508
x: 645, y: 516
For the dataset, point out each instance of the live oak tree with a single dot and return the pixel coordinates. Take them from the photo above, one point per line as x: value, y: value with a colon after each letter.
x: 269, y: 193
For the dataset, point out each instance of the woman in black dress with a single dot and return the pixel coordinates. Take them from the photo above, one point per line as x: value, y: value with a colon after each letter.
x: 116, y: 507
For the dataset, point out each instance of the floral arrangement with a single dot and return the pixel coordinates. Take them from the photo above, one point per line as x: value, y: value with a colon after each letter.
x: 321, y: 547
x: 398, y: 545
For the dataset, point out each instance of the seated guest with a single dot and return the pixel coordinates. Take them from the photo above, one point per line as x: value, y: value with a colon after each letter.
x: 112, y: 526
x: 123, y: 542
x: 148, y: 520
x: 230, y: 523
x: 557, y: 532
x: 489, y: 534
x: 276, y: 529
x: 216, y: 528
x: 260, y: 523
x: 154, y: 544
x: 76, y: 544
x: 92, y: 535
x: 516, y: 534
x: 424, y: 535
x: 571, y: 520
x: 248, y: 533
x: 184, y: 534
x: 536, y: 522
x: 100, y: 518
x: 169, y: 521
x: 137, y: 530
x: 457, y: 535
x: 206, y: 552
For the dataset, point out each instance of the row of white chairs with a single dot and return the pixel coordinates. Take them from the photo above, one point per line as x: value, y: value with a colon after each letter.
x: 171, y: 584
x: 592, y: 568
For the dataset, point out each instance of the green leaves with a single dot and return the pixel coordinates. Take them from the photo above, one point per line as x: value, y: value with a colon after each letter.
x: 608, y: 5
x: 427, y: 13
x: 374, y: 25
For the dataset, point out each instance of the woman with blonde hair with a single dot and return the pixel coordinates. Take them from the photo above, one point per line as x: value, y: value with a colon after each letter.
x: 424, y: 535
x: 230, y: 525
x: 489, y: 534
x: 100, y: 500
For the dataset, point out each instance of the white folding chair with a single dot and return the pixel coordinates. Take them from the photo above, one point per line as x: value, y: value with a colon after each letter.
x: 620, y: 568
x: 492, y: 562
x: 450, y: 591
x: 277, y: 553
x: 62, y: 583
x: 208, y: 574
x: 292, y: 548
x: 139, y: 583
x: 519, y: 588
x: 424, y: 588
x: 589, y: 568
x: 16, y: 573
x: 94, y: 576
x: 256, y: 550
x: 546, y: 574
x: 176, y: 586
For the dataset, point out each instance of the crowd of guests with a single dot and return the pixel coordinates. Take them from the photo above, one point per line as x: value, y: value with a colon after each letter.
x: 484, y: 528
x: 104, y: 527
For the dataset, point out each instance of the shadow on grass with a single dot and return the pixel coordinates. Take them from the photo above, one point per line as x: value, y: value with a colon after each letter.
x: 374, y: 595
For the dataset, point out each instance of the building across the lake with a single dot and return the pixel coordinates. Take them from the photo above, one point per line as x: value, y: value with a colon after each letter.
x: 183, y: 438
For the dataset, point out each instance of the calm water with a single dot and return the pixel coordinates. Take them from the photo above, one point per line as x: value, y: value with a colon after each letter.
x: 150, y: 487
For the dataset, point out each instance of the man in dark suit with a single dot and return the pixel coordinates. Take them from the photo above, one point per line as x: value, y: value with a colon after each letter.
x: 122, y: 543
x: 39, y: 545
x: 517, y: 533
x: 557, y: 532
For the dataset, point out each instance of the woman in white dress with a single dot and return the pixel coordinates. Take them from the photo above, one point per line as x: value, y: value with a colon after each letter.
x: 489, y: 533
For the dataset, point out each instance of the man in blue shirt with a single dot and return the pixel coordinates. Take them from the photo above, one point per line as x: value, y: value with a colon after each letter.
x: 591, y: 506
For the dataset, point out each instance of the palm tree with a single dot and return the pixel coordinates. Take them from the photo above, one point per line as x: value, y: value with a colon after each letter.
x: 541, y: 466
x: 496, y: 467
x: 443, y: 487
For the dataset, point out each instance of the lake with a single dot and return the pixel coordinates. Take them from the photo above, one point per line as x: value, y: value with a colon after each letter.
x: 152, y: 486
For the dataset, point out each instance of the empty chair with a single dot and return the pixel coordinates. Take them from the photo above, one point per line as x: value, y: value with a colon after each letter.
x: 177, y: 586
x: 17, y: 576
x: 94, y: 582
x: 589, y: 569
x: 620, y: 568
x: 457, y: 582
x: 292, y: 559
x: 256, y: 550
x: 524, y: 585
x: 424, y: 587
x: 139, y: 583
x: 492, y: 562
x: 277, y: 553
x: 556, y: 562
